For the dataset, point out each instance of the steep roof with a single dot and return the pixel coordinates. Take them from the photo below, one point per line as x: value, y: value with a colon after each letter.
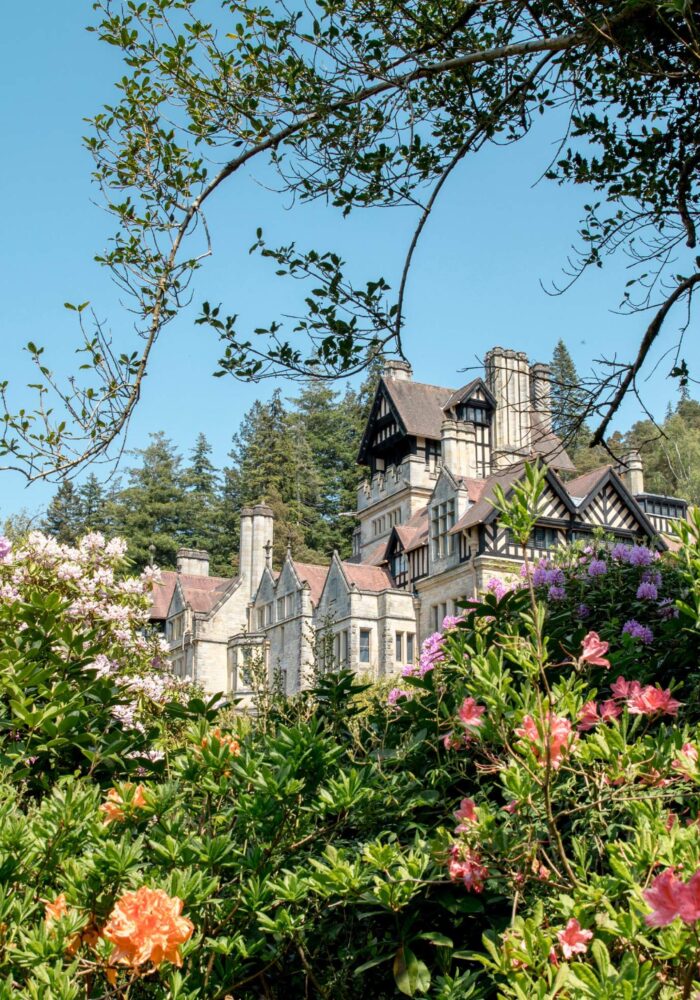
x: 419, y: 406
x: 480, y: 510
x: 582, y: 485
x: 313, y: 575
x: 414, y: 532
x: 162, y: 595
x: 202, y: 593
x: 548, y: 446
x: 374, y: 578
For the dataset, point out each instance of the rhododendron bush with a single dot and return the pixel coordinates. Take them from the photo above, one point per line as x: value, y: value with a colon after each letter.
x: 520, y: 817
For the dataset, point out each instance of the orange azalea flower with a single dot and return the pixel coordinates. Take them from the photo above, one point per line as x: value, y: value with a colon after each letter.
x: 54, y: 911
x: 113, y: 807
x: 147, y: 925
x: 225, y: 739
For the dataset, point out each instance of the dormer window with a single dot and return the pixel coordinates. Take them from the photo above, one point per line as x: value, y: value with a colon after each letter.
x: 474, y: 414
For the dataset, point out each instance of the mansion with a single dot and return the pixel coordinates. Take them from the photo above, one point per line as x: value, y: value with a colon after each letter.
x: 427, y: 536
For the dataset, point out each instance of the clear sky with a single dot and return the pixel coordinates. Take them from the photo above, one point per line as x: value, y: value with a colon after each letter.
x: 494, y: 238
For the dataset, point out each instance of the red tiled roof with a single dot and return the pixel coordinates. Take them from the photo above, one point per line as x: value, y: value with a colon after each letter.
x: 582, y: 485
x: 376, y: 555
x: 200, y: 592
x: 374, y: 578
x: 414, y: 532
x: 162, y: 595
x: 312, y: 574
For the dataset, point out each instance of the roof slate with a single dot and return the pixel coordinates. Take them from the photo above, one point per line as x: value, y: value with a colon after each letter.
x: 374, y: 578
x: 200, y: 592
x: 582, y: 485
x: 312, y: 574
x: 419, y: 405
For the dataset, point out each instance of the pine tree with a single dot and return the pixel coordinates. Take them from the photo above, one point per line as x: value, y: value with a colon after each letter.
x: 272, y: 462
x: 568, y: 398
x: 93, y: 503
x: 204, y: 520
x: 153, y: 508
x: 64, y: 516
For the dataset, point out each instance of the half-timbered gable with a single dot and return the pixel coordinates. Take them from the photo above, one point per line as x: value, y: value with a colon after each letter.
x: 610, y: 505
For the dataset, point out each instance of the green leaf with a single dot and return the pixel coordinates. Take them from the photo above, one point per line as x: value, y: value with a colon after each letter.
x: 411, y: 975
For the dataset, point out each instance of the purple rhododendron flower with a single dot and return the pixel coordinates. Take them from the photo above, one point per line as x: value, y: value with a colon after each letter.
x: 647, y: 592
x: 620, y: 552
x: 395, y: 694
x: 638, y: 631
x: 556, y: 593
x: 667, y: 609
x: 597, y: 567
x: 5, y: 546
x: 451, y: 621
x: 431, y: 653
x: 640, y: 555
x: 583, y: 611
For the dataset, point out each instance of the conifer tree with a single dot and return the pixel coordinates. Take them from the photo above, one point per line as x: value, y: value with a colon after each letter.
x: 272, y: 462
x: 201, y: 482
x: 93, y: 505
x: 153, y: 508
x: 63, y: 517
x: 568, y: 397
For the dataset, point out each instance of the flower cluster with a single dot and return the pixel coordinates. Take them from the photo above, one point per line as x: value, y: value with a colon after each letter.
x: 549, y: 740
x: 670, y: 898
x: 147, y: 926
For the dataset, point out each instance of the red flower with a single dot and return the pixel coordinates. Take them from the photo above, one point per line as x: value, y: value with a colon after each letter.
x: 573, y: 940
x: 470, y: 713
x: 652, y: 701
x: 689, y: 910
x: 593, y: 650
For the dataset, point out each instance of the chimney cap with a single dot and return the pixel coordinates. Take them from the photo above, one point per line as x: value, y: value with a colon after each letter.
x: 192, y: 553
x: 397, y: 368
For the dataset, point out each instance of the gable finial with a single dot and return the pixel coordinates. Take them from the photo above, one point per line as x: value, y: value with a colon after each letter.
x: 268, y: 554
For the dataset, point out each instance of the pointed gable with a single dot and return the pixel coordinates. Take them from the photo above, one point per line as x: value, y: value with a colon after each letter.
x: 313, y: 576
x: 610, y: 505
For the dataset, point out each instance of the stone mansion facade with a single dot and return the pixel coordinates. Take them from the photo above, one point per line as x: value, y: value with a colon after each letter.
x: 427, y: 536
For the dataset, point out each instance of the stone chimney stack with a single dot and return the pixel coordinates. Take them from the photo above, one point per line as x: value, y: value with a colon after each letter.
x: 257, y: 530
x: 508, y: 378
x: 541, y: 389
x: 451, y: 446
x: 193, y: 562
x: 631, y: 470
x: 399, y: 370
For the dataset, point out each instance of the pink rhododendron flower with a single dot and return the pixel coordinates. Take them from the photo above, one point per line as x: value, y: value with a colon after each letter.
x: 452, y: 742
x: 559, y: 735
x: 652, y: 701
x: 573, y: 940
x: 466, y: 865
x: 689, y: 910
x: 687, y: 763
x: 588, y: 716
x: 664, y: 896
x: 466, y: 814
x: 609, y: 710
x: 593, y: 650
x: 625, y: 689
x: 470, y: 713
x: 451, y: 621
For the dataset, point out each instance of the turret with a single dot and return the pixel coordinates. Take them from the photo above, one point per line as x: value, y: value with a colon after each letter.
x: 257, y: 530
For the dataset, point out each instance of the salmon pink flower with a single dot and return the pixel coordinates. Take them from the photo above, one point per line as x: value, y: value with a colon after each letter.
x: 689, y: 909
x: 225, y: 739
x: 470, y: 713
x: 113, y: 808
x: 466, y: 865
x: 593, y: 650
x: 54, y: 911
x: 147, y: 926
x: 652, y: 701
x: 623, y: 689
x: 687, y: 763
x: 465, y: 815
x: 557, y: 732
x: 573, y: 940
x: 609, y: 710
x: 588, y: 716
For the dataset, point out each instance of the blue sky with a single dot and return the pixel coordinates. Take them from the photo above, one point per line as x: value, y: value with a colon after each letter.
x: 495, y: 236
